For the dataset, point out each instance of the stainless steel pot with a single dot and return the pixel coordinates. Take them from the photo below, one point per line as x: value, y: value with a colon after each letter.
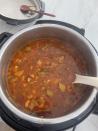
x: 47, y: 30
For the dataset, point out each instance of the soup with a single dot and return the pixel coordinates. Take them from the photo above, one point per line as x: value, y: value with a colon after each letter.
x: 40, y: 75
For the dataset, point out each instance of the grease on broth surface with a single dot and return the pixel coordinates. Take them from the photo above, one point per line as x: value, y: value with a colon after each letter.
x: 40, y: 75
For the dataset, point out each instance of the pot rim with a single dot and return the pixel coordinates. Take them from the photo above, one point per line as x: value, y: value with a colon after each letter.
x: 56, y: 120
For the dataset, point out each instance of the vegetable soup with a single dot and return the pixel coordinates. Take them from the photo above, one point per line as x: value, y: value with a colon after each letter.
x: 40, y: 76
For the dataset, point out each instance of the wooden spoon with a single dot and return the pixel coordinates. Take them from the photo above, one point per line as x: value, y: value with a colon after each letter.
x: 87, y: 80
x: 27, y: 9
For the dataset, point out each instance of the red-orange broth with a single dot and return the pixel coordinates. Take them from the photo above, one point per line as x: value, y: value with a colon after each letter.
x: 40, y: 75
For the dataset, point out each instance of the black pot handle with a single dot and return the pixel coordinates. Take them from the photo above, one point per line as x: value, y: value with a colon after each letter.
x: 79, y: 30
x: 4, y: 37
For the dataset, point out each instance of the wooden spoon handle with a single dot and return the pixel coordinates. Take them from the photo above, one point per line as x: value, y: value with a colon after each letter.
x: 43, y: 13
x: 87, y: 80
x: 48, y: 14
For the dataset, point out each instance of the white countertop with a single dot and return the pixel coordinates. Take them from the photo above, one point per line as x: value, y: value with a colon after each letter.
x: 81, y: 13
